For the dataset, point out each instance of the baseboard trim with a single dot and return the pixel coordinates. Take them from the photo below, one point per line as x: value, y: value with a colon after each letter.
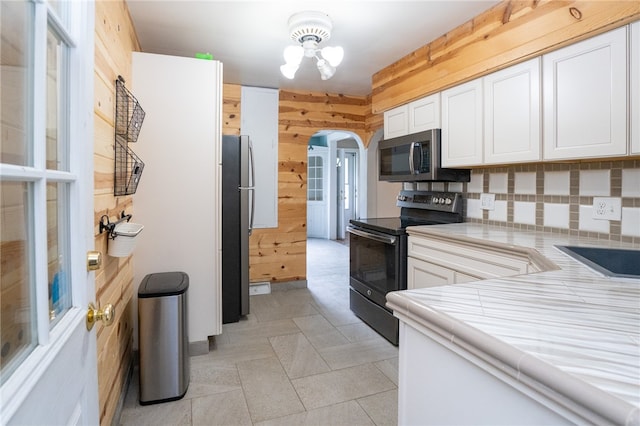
x: 115, y: 421
x: 288, y: 285
x: 200, y: 347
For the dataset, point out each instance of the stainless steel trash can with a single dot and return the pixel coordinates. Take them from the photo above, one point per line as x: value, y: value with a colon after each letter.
x: 163, y: 337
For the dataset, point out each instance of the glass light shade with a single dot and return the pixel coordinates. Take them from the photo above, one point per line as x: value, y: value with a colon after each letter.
x: 333, y: 55
x: 289, y: 70
x: 326, y: 70
x: 293, y: 55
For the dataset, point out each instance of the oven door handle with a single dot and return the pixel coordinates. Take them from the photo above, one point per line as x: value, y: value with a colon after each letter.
x: 377, y: 237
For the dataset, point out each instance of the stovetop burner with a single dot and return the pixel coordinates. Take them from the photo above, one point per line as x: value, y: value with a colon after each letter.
x: 417, y: 208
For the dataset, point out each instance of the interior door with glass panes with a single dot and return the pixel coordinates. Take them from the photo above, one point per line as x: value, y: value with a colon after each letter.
x: 349, y: 187
x: 48, y: 358
x: 317, y: 206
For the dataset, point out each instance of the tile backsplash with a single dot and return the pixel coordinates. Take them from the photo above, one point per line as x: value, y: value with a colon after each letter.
x: 555, y: 197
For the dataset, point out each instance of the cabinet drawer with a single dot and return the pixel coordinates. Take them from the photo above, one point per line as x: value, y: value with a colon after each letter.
x: 472, y: 261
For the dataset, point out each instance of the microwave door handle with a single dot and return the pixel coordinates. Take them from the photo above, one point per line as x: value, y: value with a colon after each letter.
x: 411, y: 163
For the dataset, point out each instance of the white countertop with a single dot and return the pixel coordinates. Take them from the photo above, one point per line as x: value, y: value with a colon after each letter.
x: 571, y: 329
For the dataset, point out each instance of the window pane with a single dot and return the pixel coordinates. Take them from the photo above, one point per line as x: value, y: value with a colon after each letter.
x: 57, y: 250
x: 14, y: 45
x: 60, y: 9
x: 56, y: 158
x: 17, y: 295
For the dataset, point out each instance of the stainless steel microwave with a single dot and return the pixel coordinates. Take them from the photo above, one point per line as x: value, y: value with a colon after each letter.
x: 415, y: 158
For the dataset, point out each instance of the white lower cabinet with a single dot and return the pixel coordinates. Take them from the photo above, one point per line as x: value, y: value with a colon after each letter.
x: 440, y: 383
x: 433, y: 261
x: 421, y: 274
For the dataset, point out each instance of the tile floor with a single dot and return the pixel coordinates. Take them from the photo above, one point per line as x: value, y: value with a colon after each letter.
x: 300, y: 358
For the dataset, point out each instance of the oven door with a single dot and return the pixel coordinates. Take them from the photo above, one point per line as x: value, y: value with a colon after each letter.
x: 377, y: 263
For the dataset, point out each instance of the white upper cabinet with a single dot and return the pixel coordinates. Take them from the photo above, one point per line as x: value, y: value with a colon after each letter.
x: 396, y: 122
x: 417, y: 116
x: 635, y: 88
x: 585, y: 98
x: 512, y: 114
x: 462, y: 125
x: 259, y: 120
x: 424, y: 114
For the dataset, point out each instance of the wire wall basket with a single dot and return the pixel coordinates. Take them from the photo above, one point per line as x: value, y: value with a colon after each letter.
x: 129, y: 117
x: 129, y: 113
x: 128, y: 169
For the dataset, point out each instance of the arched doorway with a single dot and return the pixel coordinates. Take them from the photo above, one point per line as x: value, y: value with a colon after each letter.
x: 336, y: 183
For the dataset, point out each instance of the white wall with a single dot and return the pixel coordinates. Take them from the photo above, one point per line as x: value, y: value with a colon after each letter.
x: 381, y: 196
x: 178, y: 193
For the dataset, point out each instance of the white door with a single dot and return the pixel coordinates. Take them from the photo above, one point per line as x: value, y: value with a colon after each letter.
x: 317, y: 190
x: 48, y: 364
x: 350, y: 202
x: 340, y: 180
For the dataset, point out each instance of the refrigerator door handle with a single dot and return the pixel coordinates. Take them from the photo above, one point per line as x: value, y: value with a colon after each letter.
x: 252, y: 186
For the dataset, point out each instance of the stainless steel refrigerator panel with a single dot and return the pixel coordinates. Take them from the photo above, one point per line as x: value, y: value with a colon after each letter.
x: 237, y: 193
x: 246, y: 218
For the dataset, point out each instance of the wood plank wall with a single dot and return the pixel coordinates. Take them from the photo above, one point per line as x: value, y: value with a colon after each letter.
x: 510, y: 32
x: 279, y: 254
x: 115, y: 39
x: 231, y: 94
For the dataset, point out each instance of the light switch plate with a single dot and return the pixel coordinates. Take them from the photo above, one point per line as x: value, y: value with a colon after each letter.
x: 607, y: 208
x: 487, y: 201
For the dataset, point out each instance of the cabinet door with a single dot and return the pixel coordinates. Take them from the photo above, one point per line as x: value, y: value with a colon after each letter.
x: 259, y: 120
x: 421, y: 274
x: 396, y: 122
x: 585, y: 98
x: 512, y: 114
x: 462, y: 125
x: 635, y: 88
x: 424, y: 114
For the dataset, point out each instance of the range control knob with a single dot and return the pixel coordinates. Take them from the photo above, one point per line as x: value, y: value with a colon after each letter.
x: 441, y: 200
x: 448, y: 201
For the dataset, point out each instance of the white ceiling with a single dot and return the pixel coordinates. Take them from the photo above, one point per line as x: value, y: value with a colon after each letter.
x: 248, y: 37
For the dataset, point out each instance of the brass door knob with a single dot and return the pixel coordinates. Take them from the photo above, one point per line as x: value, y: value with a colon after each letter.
x: 106, y: 315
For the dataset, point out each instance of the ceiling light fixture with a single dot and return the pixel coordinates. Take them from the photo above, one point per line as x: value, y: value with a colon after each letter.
x: 309, y: 29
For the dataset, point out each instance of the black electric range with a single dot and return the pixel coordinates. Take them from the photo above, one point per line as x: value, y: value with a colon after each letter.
x: 378, y: 254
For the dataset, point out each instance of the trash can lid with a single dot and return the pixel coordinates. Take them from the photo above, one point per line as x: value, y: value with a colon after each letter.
x: 163, y: 284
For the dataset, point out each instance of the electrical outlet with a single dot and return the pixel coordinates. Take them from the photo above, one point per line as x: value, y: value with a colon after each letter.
x: 607, y: 208
x: 487, y: 201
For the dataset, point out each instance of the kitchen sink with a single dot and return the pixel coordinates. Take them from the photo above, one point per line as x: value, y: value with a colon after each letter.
x: 610, y: 262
